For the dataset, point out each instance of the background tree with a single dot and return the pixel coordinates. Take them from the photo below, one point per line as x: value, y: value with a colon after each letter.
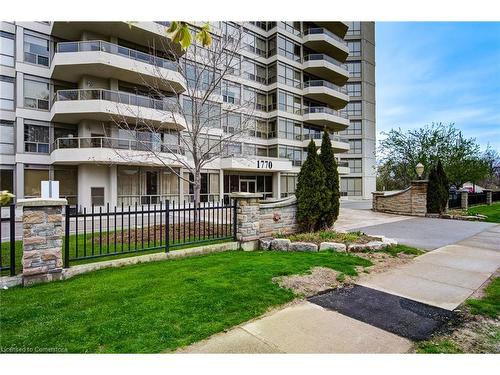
x: 492, y: 160
x: 205, y: 62
x: 311, y: 191
x: 402, y: 150
x: 332, y: 196
x: 437, y: 189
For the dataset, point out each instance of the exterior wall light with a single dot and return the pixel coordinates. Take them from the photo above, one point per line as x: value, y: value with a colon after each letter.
x: 420, y: 170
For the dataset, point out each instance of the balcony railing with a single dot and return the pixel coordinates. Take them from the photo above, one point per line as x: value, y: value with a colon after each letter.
x: 325, y: 110
x: 117, y: 97
x: 321, y: 56
x: 333, y: 137
x: 115, y: 49
x: 323, y: 83
x: 116, y: 143
x: 320, y: 30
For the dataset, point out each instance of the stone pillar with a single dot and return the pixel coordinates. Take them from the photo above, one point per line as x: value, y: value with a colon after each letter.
x: 375, y: 199
x: 419, y: 197
x: 42, y: 239
x: 464, y: 199
x: 248, y: 231
x: 489, y: 197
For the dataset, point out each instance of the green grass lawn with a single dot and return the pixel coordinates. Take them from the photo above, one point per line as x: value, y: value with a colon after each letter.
x: 492, y: 212
x: 157, y: 306
x: 489, y: 305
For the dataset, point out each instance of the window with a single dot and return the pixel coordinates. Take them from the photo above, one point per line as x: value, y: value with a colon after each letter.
x: 68, y: 182
x: 354, y: 28
x: 355, y: 146
x: 353, y: 129
x: 288, y: 184
x: 7, y: 49
x: 233, y: 64
x: 231, y: 122
x: 354, y: 89
x: 36, y: 94
x: 291, y: 27
x: 289, y: 76
x: 254, y: 99
x: 208, y: 116
x: 7, y: 180
x: 354, y: 109
x: 289, y: 103
x: 231, y: 92
x: 351, y: 186
x: 354, y: 47
x: 289, y: 129
x: 252, y: 71
x: 97, y: 196
x: 355, y: 165
x: 6, y: 138
x: 294, y: 154
x: 254, y: 43
x: 354, y: 68
x: 36, y: 50
x: 6, y: 93
x: 288, y: 49
x: 36, y: 138
x: 33, y: 181
x: 310, y: 132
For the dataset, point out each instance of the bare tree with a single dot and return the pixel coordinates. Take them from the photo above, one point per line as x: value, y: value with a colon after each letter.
x: 207, y: 134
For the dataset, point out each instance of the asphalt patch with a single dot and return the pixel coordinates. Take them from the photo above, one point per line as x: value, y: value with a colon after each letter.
x: 401, y: 316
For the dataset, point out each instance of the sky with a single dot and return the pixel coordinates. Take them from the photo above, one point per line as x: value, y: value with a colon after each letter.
x: 439, y: 72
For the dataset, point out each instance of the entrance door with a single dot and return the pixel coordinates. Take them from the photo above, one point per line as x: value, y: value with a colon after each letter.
x: 151, y: 187
x: 247, y: 186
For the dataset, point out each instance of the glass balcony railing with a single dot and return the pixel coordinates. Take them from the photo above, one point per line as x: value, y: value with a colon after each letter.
x: 333, y: 137
x: 323, y: 83
x: 115, y: 49
x: 326, y: 110
x: 116, y: 143
x: 117, y: 97
x: 320, y: 30
x: 322, y: 56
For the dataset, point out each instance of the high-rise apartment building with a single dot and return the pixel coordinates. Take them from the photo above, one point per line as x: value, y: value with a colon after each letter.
x: 63, y: 82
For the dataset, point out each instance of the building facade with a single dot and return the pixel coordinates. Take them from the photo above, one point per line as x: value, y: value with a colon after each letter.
x: 63, y: 82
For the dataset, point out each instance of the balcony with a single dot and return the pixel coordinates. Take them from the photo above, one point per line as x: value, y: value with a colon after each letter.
x: 324, y: 41
x: 142, y: 33
x: 72, y: 106
x: 337, y: 27
x: 102, y: 59
x: 323, y: 116
x: 339, y: 144
x: 343, y: 167
x: 326, y: 92
x: 113, y: 150
x: 326, y: 67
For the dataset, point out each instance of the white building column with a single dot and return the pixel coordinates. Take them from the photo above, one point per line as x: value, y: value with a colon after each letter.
x: 181, y: 185
x: 113, y: 185
x: 19, y: 183
x: 277, y: 185
x: 221, y: 184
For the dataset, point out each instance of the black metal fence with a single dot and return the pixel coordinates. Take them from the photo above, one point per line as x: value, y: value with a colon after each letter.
x: 495, y: 196
x: 141, y: 228
x: 455, y: 200
x: 476, y: 198
x: 8, y: 240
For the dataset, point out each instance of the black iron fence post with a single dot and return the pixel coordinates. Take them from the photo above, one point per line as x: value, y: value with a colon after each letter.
x: 235, y: 219
x: 167, y: 224
x: 66, y: 237
x: 12, y: 239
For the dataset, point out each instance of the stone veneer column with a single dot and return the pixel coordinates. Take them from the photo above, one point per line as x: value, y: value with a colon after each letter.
x: 464, y: 199
x: 248, y: 231
x: 419, y: 197
x: 489, y: 197
x: 42, y: 239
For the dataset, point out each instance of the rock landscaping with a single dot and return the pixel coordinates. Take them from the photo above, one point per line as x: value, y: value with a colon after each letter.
x: 322, y: 241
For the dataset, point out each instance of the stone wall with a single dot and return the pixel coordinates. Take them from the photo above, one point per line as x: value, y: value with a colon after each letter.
x: 411, y: 201
x: 278, y: 217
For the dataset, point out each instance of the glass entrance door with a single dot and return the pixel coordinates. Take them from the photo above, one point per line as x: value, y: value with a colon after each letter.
x: 247, y: 186
x: 151, y: 188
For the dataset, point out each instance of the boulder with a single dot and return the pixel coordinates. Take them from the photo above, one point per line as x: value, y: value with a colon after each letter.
x: 280, y: 244
x: 303, y: 246
x: 265, y: 243
x: 370, y: 246
x: 335, y: 246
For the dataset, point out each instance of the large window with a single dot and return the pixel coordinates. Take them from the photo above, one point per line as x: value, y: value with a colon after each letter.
x: 6, y: 93
x: 7, y: 180
x: 354, y: 28
x: 355, y: 146
x: 311, y: 132
x: 252, y: 71
x: 289, y: 103
x: 231, y: 122
x: 355, y: 165
x: 209, y: 115
x: 36, y: 94
x: 33, y: 181
x: 7, y: 48
x: 354, y: 89
x: 354, y: 68
x: 254, y: 43
x: 355, y: 128
x: 36, y: 50
x: 289, y: 76
x: 68, y: 182
x: 288, y: 49
x: 289, y: 129
x: 354, y: 109
x: 351, y: 186
x: 354, y: 47
x: 254, y: 99
x: 288, y: 184
x: 36, y: 138
x: 292, y: 153
x: 6, y: 137
x: 291, y: 27
x: 231, y: 92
